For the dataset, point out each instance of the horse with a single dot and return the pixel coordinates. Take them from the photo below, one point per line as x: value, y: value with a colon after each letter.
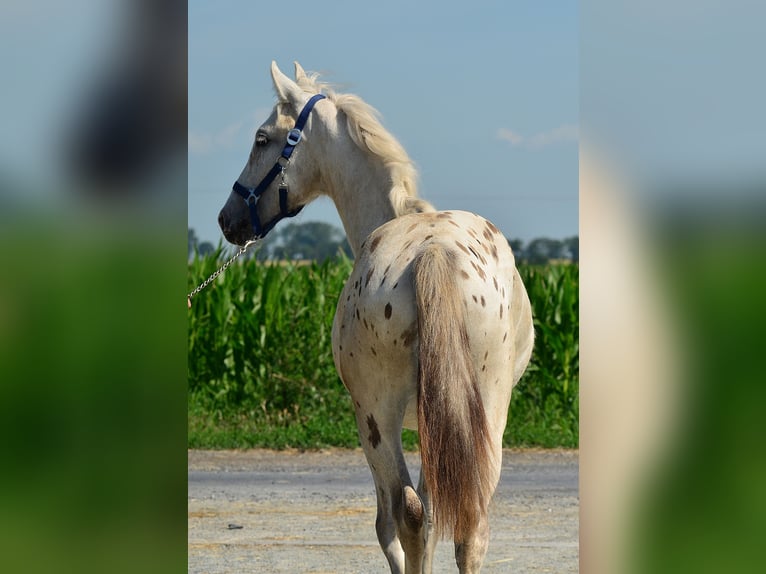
x: 433, y: 328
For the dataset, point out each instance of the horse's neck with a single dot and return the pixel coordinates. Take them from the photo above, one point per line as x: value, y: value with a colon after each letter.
x: 360, y: 188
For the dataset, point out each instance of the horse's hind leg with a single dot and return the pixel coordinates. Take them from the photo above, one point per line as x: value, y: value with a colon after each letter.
x: 430, y: 543
x: 469, y: 553
x: 401, y: 519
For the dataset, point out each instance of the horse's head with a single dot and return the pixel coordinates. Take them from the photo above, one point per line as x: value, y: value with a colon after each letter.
x: 281, y: 174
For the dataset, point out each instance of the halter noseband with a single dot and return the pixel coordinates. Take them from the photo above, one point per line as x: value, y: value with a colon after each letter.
x: 251, y: 194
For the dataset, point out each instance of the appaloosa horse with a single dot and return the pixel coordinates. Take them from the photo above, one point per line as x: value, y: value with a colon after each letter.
x: 433, y: 328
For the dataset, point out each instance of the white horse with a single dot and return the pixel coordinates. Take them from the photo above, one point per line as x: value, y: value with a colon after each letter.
x: 433, y: 328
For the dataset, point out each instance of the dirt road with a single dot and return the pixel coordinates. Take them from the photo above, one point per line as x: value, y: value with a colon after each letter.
x: 264, y: 511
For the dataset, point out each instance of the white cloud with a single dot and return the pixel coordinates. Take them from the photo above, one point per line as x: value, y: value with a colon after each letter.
x: 199, y: 144
x: 511, y: 136
x: 563, y: 133
x: 204, y: 143
x: 228, y: 136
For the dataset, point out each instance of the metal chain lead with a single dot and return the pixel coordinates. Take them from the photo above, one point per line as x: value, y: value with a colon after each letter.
x: 220, y: 270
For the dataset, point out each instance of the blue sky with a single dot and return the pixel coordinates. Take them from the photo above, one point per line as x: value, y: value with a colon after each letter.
x: 483, y: 95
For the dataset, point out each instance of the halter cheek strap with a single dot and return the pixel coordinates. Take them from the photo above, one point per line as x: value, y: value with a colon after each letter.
x: 251, y: 194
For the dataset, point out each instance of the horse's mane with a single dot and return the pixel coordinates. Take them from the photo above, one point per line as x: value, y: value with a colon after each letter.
x: 367, y: 132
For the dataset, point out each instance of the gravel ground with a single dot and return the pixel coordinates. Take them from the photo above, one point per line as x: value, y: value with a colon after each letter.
x: 288, y: 511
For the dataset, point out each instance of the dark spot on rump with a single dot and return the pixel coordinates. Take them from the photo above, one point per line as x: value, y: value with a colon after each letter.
x: 492, y: 228
x: 501, y: 310
x: 411, y: 227
x: 453, y: 223
x: 395, y: 285
x: 505, y: 336
x: 464, y: 274
x: 374, y: 436
x: 374, y: 244
x: 358, y: 405
x: 427, y: 237
x: 444, y: 215
x: 365, y: 323
x: 486, y: 354
x: 357, y: 315
x: 494, y: 252
x: 463, y: 247
x: 475, y: 299
x: 408, y: 337
x: 487, y: 234
x: 478, y: 256
x: 388, y: 310
x: 369, y: 274
x: 479, y: 271
x: 494, y: 279
x: 372, y: 349
x: 483, y: 302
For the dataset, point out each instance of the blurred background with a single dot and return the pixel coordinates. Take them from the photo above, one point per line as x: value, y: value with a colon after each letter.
x: 92, y: 311
x: 93, y: 179
x: 672, y: 205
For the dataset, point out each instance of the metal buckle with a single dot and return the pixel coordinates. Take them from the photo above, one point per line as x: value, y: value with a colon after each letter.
x: 251, y: 196
x: 294, y: 136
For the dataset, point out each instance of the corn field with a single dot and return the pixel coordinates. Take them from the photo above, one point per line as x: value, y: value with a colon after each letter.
x: 261, y: 371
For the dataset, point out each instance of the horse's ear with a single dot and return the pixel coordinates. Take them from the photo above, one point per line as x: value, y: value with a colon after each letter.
x: 287, y: 90
x: 300, y: 74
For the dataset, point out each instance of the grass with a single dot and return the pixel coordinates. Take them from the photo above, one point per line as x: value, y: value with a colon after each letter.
x: 261, y: 372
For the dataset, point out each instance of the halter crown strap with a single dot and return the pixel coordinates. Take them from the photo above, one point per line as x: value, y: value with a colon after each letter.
x: 251, y: 194
x: 295, y: 135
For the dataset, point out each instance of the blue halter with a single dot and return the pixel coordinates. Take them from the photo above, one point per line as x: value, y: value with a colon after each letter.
x: 251, y: 194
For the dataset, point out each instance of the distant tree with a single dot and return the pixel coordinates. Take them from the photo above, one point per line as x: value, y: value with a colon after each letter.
x: 572, y: 246
x: 193, y: 239
x: 311, y: 240
x: 543, y: 249
x: 205, y: 248
x: 517, y: 246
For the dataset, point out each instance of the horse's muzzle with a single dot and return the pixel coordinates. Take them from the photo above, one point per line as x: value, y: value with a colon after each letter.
x: 235, y: 234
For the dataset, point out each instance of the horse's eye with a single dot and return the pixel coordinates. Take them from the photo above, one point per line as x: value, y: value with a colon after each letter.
x: 261, y: 139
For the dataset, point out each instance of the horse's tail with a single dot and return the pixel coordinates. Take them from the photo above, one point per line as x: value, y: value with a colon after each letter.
x: 455, y: 447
